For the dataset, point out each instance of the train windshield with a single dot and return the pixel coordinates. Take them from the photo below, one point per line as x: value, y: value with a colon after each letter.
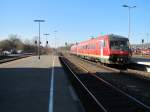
x: 119, y: 44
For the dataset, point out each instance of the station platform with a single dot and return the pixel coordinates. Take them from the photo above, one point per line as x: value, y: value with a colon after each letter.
x: 27, y: 85
x: 141, y: 61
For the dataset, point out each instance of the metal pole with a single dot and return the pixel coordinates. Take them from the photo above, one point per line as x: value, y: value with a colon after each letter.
x: 55, y: 38
x: 46, y: 41
x: 39, y: 42
x: 129, y: 7
x: 129, y: 24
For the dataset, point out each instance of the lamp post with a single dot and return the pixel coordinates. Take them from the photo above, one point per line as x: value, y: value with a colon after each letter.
x: 129, y: 7
x: 46, y: 34
x: 39, y: 21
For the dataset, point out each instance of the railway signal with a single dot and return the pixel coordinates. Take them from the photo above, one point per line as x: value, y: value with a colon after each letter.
x: 46, y: 34
x: 35, y: 42
x: 142, y: 41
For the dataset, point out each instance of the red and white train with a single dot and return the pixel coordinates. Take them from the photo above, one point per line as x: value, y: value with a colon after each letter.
x: 108, y: 49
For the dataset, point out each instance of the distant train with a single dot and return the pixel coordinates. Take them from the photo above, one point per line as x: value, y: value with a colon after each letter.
x: 108, y: 49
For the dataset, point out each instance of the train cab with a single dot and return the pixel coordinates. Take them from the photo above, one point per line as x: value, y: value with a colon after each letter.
x: 120, y: 51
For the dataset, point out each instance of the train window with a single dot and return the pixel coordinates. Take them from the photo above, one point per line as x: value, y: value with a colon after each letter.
x: 100, y: 45
x: 93, y: 46
x: 119, y: 45
x: 89, y: 46
x: 86, y: 47
x: 104, y: 43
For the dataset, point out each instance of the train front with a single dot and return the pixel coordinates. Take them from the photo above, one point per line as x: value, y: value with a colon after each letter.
x: 120, y: 52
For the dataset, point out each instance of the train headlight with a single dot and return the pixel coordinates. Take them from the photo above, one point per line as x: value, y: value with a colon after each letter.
x: 121, y: 59
x: 117, y: 59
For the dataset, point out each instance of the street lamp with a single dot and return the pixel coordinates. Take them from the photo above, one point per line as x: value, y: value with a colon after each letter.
x: 129, y: 7
x: 39, y: 21
x: 46, y: 34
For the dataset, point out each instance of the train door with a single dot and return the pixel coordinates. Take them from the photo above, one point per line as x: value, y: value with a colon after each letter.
x: 101, y: 49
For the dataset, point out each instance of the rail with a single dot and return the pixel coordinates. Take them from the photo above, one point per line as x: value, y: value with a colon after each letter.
x: 107, y: 97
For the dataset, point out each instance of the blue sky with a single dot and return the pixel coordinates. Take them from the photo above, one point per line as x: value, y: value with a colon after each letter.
x: 75, y: 20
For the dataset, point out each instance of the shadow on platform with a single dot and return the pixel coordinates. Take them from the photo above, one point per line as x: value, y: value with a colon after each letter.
x: 25, y: 89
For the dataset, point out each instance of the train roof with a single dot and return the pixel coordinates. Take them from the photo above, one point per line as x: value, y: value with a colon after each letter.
x: 117, y: 37
x: 110, y: 36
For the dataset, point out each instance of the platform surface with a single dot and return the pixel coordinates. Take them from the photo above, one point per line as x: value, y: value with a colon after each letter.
x: 25, y: 86
x: 141, y: 60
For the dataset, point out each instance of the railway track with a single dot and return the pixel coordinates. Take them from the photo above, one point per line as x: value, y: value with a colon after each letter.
x: 98, y: 95
x: 4, y: 60
x: 128, y: 71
